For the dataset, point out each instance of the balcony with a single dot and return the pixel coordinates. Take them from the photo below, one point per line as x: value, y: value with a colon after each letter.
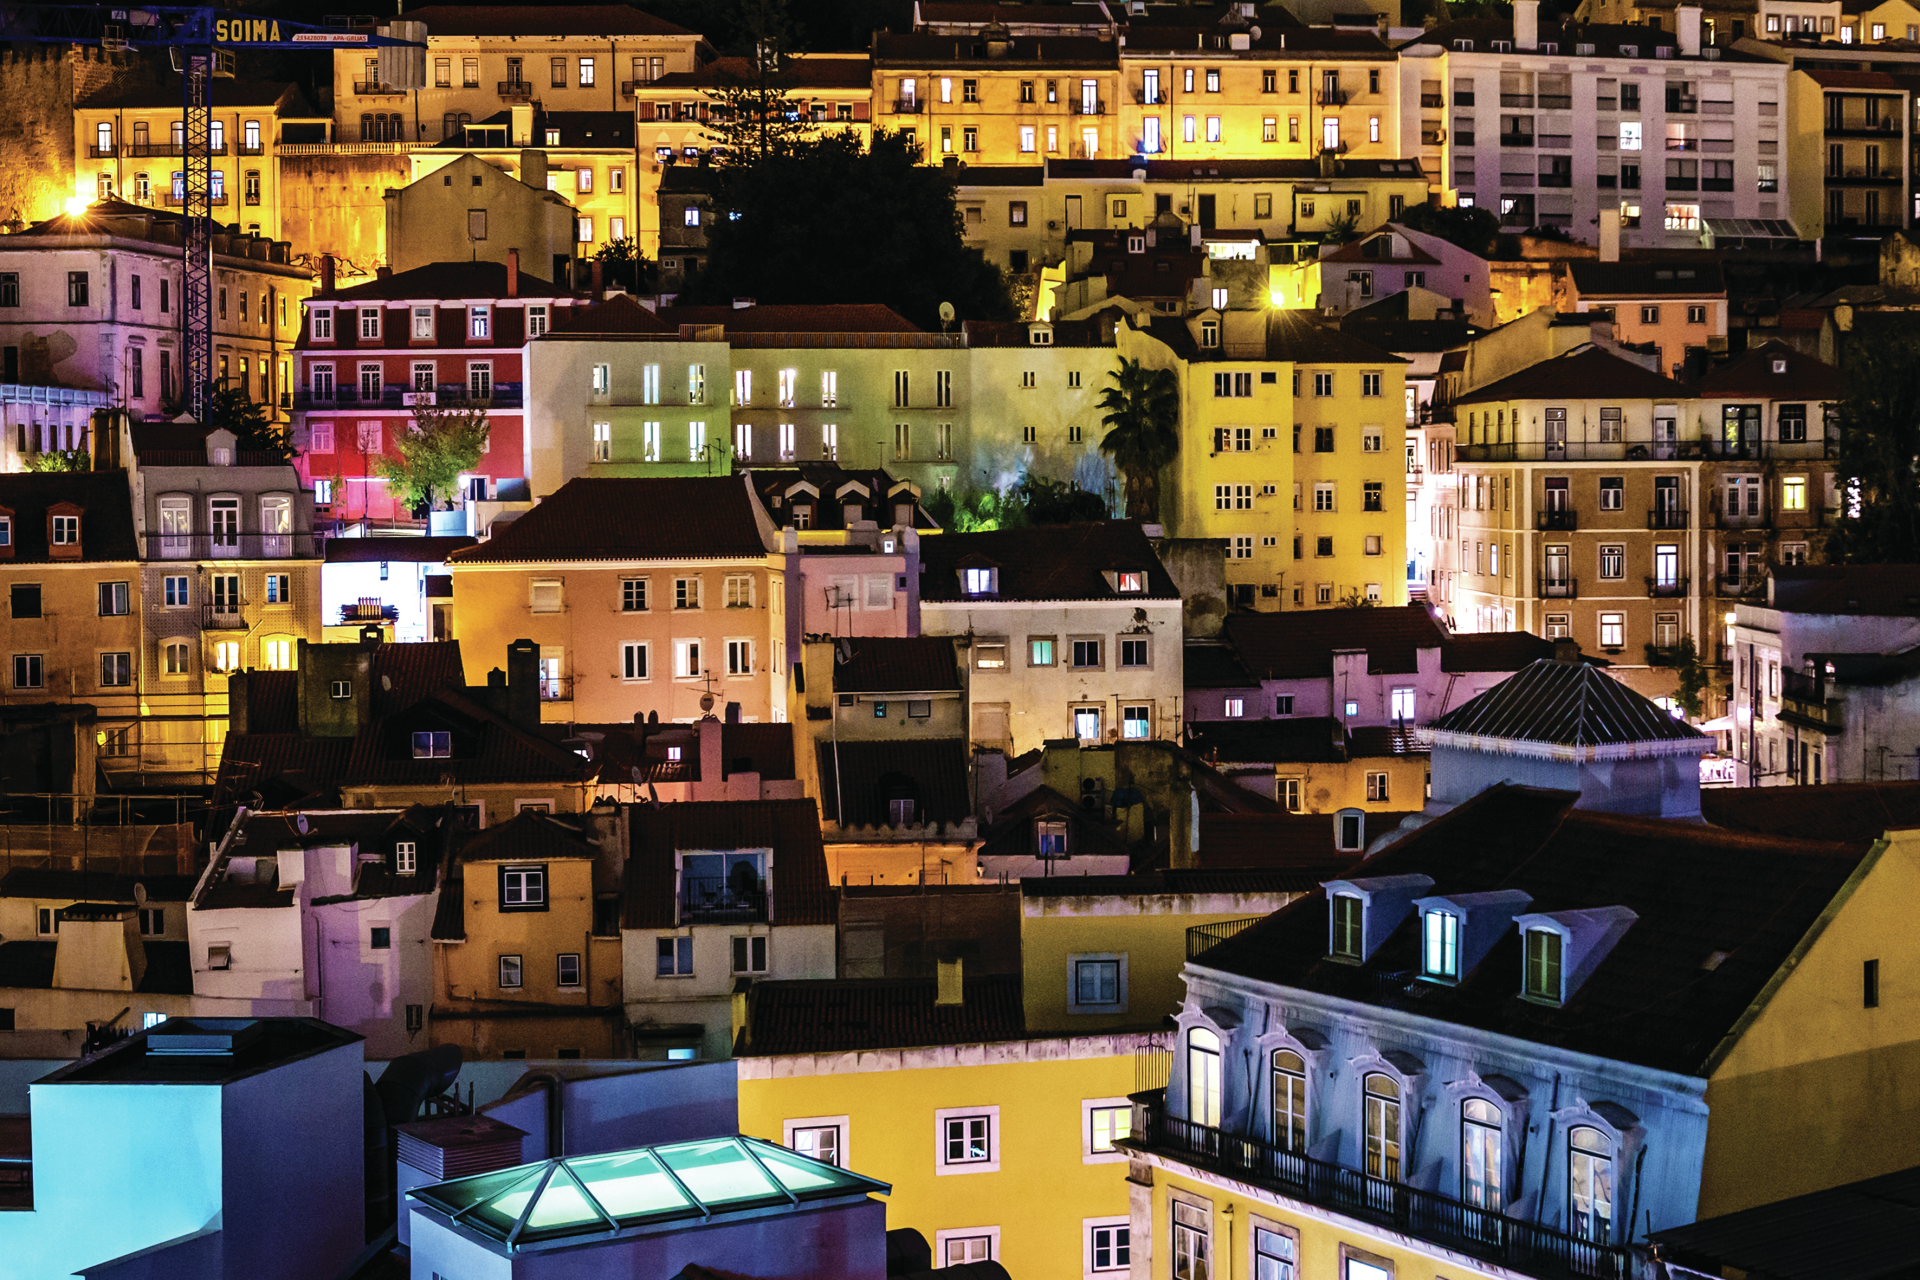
x: 1682, y: 184
x: 1580, y: 450
x: 1737, y: 523
x: 1809, y: 702
x: 1558, y: 588
x: 219, y: 617
x: 253, y: 149
x: 1563, y: 519
x: 1085, y: 108
x: 515, y: 90
x: 1556, y: 179
x: 1431, y: 100
x: 1844, y: 127
x: 1202, y: 936
x: 368, y: 609
x: 1666, y: 518
x: 400, y: 395
x: 718, y: 900
x: 1516, y: 100
x: 226, y: 546
x: 1716, y: 184
x: 1463, y: 98
x: 908, y: 106
x: 1739, y: 586
x: 631, y: 88
x: 1332, y: 97
x: 1516, y: 139
x: 178, y: 198
x: 1682, y: 104
x: 1861, y: 173
x: 376, y: 89
x: 107, y: 152
x: 1482, y: 1233
x: 1667, y: 589
x: 1555, y: 101
x: 1606, y: 104
x: 144, y: 150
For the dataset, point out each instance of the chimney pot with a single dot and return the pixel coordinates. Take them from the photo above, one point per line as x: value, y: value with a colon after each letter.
x: 513, y: 273
x: 1526, y: 24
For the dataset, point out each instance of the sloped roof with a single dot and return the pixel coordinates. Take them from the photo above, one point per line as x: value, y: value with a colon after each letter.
x: 1697, y: 279
x: 1301, y: 644
x: 541, y: 20
x: 92, y: 886
x: 671, y: 518
x: 1088, y: 834
x: 227, y: 93
x: 1210, y: 664
x: 1355, y: 253
x: 1867, y: 1230
x: 791, y: 828
x: 1303, y: 843
x: 838, y: 317
x: 1498, y: 651
x: 866, y: 775
x: 106, y: 520
x: 1569, y: 706
x: 896, y: 664
x: 1853, y: 812
x: 445, y: 280
x: 530, y: 836
x: 1587, y: 374
x: 922, y: 49
x: 1652, y: 1000
x: 1805, y: 378
x: 1880, y: 590
x: 798, y: 75
x: 1292, y: 740
x: 772, y: 484
x: 1058, y: 562
x: 845, y: 1015
x: 487, y: 748
x: 619, y: 314
x: 407, y: 550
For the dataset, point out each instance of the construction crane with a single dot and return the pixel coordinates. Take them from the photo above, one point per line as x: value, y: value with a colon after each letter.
x: 202, y: 40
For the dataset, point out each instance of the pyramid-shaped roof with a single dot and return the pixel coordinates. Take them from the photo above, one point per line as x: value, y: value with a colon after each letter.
x: 1566, y: 711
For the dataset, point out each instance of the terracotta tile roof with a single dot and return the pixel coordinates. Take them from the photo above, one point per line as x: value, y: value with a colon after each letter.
x: 846, y: 1015
x: 1835, y: 79
x: 925, y: 50
x: 830, y: 512
x: 486, y: 748
x: 541, y: 20
x: 1355, y: 253
x: 92, y: 886
x: 528, y: 836
x: 1566, y: 704
x: 407, y: 550
x: 674, y: 518
x: 932, y: 772
x: 1159, y: 880
x: 1213, y: 664
x: 1850, y: 1232
x: 405, y: 673
x: 273, y: 701
x: 619, y: 314
x: 791, y: 828
x: 438, y: 281
x: 1752, y: 375
x: 1302, y: 842
x: 862, y: 317
x: 1647, y: 279
x: 1653, y: 999
x: 1498, y: 651
x: 1018, y: 333
x: 1855, y: 813
x: 1301, y: 644
x: 801, y: 75
x: 896, y: 664
x: 1587, y: 374
x: 1377, y: 741
x: 1063, y: 562
x: 106, y: 517
x: 1882, y: 590
x: 283, y: 767
x: 1294, y: 740
x: 1089, y: 835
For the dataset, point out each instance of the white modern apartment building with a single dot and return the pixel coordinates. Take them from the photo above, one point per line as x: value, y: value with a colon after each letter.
x: 1546, y: 125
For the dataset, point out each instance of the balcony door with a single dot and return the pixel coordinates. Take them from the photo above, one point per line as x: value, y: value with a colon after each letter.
x: 1480, y: 1155
x: 1558, y: 565
x: 225, y: 526
x: 1590, y: 1184
x: 1666, y: 499
x: 1203, y: 1078
x: 176, y: 528
x: 1740, y: 426
x: 1556, y: 433
x: 1383, y: 1127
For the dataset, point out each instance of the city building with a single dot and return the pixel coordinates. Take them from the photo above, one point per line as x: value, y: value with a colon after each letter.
x: 718, y: 896
x: 1378, y: 1128
x: 525, y: 960
x: 1855, y: 181
x: 670, y: 616
x: 1392, y: 260
x: 1547, y: 124
x: 1674, y: 305
x: 92, y: 301
x: 834, y: 91
x: 132, y: 143
x: 330, y: 907
x: 376, y: 357
x: 519, y: 216
x: 1069, y: 632
x: 255, y: 1124
x: 400, y: 583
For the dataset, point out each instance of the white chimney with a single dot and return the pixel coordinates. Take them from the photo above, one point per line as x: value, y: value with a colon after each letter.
x: 1610, y: 234
x: 1686, y: 25
x: 1526, y: 24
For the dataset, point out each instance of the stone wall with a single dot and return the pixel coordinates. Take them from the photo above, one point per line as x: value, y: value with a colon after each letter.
x: 37, y: 161
x: 334, y: 203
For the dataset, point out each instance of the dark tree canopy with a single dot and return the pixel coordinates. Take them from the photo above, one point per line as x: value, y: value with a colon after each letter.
x: 830, y: 222
x: 253, y: 431
x: 1035, y: 500
x: 1875, y: 470
x: 1474, y: 229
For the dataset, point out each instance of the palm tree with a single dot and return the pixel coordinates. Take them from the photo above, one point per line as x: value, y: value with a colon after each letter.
x: 1141, y: 412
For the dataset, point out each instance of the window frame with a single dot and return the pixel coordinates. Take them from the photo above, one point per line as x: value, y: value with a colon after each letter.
x: 990, y: 1164
x: 1118, y: 1005
x: 519, y: 971
x: 525, y: 871
x: 842, y: 1125
x: 1089, y: 1229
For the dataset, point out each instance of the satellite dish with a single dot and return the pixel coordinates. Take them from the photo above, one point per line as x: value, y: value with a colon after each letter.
x: 386, y: 684
x: 946, y: 313
x: 635, y: 771
x: 139, y: 894
x: 300, y: 823
x: 706, y: 702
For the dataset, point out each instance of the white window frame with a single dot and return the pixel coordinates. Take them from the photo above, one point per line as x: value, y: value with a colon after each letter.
x: 990, y: 1165
x: 842, y: 1123
x: 1087, y: 1154
x: 1073, y: 982
x: 1087, y: 1227
x: 940, y: 1239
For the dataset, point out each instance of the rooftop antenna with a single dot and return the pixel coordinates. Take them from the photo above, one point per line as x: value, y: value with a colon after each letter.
x: 946, y: 317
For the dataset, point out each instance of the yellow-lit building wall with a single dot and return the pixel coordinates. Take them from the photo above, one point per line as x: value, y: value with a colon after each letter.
x: 1046, y: 1185
x: 1330, y: 786
x: 1244, y: 110
x: 1805, y: 150
x: 1008, y: 102
x: 498, y: 801
x: 1819, y: 1089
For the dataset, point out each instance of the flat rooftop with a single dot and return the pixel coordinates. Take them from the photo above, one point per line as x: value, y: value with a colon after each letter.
x: 204, y: 1051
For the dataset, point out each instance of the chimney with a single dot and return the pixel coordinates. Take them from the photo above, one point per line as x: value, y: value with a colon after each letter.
x: 1526, y: 24
x: 1326, y: 164
x: 497, y: 692
x: 237, y: 701
x: 326, y: 275
x: 952, y: 988
x: 513, y: 273
x: 1686, y: 25
x: 599, y: 276
x: 523, y: 684
x: 384, y: 273
x: 533, y: 169
x: 1610, y: 234
x: 713, y: 757
x: 1566, y: 651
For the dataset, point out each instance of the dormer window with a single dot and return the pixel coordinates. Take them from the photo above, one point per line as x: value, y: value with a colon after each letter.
x: 1544, y: 947
x: 1779, y: 365
x: 1130, y: 580
x: 1040, y: 336
x: 66, y: 530
x: 433, y: 744
x: 1051, y: 838
x: 1349, y: 917
x: 406, y: 857
x: 1440, y: 945
x: 1209, y: 333
x: 1136, y: 244
x: 1350, y: 830
x: 979, y: 582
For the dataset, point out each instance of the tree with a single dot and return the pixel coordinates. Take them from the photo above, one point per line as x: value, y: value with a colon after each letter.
x: 1694, y: 677
x: 1472, y: 228
x: 751, y: 118
x: 1879, y: 439
x: 442, y: 442
x: 831, y: 222
x: 60, y: 460
x: 1034, y: 500
x: 1141, y: 412
x: 1343, y: 228
x: 253, y: 430
x: 1355, y: 598
x: 624, y: 266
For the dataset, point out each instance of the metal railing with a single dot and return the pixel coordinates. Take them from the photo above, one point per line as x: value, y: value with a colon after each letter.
x: 221, y: 617
x: 1202, y: 936
x: 908, y: 106
x: 226, y: 546
x: 1332, y: 97
x: 376, y: 89
x: 1734, y: 586
x: 1484, y: 1233
x: 396, y: 395
x: 718, y: 898
x: 1672, y: 588
x: 1558, y: 588
x: 1560, y: 519
x: 98, y: 152
x: 515, y: 89
x: 1084, y: 108
x: 1666, y: 518
x: 1581, y: 451
x: 1809, y: 700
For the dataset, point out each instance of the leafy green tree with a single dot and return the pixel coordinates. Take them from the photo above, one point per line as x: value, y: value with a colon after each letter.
x: 1879, y: 441
x: 832, y: 222
x: 60, y: 460
x: 254, y: 431
x: 442, y: 442
x: 1045, y: 501
x: 1355, y: 598
x: 1343, y: 228
x: 1035, y: 500
x: 625, y: 267
x: 1141, y: 411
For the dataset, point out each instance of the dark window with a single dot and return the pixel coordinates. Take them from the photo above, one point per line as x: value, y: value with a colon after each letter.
x: 382, y: 940
x: 1870, y: 983
x: 9, y: 288
x: 26, y: 600
x: 6, y: 1019
x: 76, y: 288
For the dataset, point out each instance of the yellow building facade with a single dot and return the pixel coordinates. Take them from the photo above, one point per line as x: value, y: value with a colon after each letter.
x: 1293, y: 451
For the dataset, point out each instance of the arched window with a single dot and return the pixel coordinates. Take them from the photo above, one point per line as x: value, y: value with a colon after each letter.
x: 276, y: 653
x: 1590, y: 1183
x: 1480, y: 1154
x: 179, y: 658
x: 1383, y: 1127
x: 1289, y: 1101
x: 1203, y: 1077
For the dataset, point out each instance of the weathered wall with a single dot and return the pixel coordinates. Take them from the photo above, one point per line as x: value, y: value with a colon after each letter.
x: 37, y: 168
x: 334, y: 203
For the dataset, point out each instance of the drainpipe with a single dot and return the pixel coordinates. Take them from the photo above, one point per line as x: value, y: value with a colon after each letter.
x: 553, y: 1083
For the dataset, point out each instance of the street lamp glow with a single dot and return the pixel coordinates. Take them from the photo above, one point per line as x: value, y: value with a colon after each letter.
x: 76, y: 205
